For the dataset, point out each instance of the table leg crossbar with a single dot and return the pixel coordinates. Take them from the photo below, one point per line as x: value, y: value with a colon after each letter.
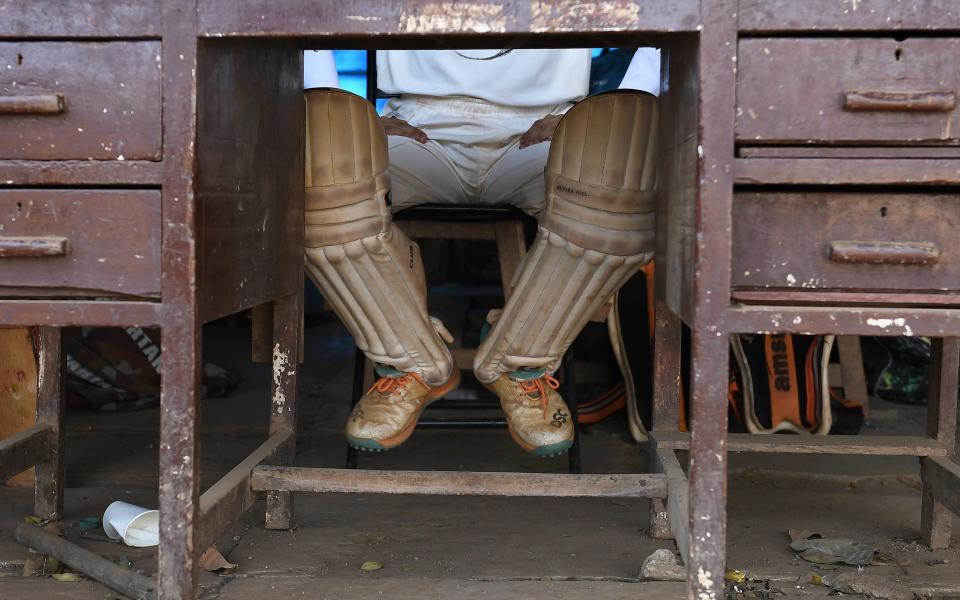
x: 232, y: 495
x: 458, y: 483
x: 19, y: 452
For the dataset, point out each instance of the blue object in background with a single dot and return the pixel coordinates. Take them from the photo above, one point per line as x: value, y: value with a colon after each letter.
x: 350, y: 61
x: 352, y: 70
x: 608, y: 68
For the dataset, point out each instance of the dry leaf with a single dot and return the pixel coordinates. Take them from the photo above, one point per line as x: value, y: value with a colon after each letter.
x: 371, y: 565
x: 802, y: 534
x: 829, y: 551
x: 735, y: 576
x: 66, y: 577
x: 869, y: 586
x: 51, y: 565
x: 213, y: 561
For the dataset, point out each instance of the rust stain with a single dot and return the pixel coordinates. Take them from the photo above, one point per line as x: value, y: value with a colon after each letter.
x: 441, y: 17
x: 575, y: 15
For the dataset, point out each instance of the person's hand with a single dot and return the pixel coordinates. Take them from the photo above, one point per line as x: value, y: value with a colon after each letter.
x: 541, y: 130
x: 395, y: 126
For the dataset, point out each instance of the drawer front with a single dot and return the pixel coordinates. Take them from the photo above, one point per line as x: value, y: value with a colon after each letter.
x: 846, y: 242
x: 80, y: 100
x: 80, y: 243
x: 80, y: 18
x: 863, y: 90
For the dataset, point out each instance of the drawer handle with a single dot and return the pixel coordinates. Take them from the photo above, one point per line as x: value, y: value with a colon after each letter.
x: 868, y: 100
x: 32, y: 247
x: 885, y: 253
x: 40, y: 104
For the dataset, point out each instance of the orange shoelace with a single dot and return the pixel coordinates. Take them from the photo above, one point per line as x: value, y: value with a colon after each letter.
x: 386, y: 385
x: 539, y: 385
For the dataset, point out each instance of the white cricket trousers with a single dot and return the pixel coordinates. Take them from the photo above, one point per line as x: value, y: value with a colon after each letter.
x: 472, y: 156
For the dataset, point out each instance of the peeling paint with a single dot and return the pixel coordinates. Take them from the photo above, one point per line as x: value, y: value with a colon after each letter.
x: 281, y: 364
x: 441, y: 17
x: 576, y: 15
x: 705, y: 581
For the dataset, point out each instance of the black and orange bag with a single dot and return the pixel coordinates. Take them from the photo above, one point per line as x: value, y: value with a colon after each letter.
x: 780, y: 382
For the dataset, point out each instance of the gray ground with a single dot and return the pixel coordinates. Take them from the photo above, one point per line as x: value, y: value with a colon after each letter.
x: 436, y: 547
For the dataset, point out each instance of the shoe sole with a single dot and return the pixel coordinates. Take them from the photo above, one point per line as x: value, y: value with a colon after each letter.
x: 373, y: 445
x: 548, y: 451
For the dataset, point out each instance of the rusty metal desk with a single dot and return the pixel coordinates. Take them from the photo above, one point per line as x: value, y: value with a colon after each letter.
x: 156, y: 181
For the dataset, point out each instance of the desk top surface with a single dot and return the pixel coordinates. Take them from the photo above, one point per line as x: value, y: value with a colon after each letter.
x: 396, y: 20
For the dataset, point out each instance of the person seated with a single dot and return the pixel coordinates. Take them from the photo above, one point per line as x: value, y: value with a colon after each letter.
x: 478, y: 127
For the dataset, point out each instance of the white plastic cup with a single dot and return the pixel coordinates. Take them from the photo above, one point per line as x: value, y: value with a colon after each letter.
x: 135, y: 525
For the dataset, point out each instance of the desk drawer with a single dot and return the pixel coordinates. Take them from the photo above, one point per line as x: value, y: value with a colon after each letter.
x: 80, y: 100
x: 848, y: 90
x: 79, y: 242
x: 846, y: 242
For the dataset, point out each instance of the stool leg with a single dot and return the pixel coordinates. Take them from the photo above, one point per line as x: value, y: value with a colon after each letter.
x: 659, y: 526
x: 359, y: 372
x: 851, y: 365
x: 941, y: 424
x: 708, y: 465
x: 287, y: 314
x: 570, y: 396
x: 511, y: 247
x: 667, y: 343
x: 180, y: 392
x: 48, y: 490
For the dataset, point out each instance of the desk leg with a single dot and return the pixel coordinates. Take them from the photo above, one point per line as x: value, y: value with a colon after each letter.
x: 942, y: 425
x: 667, y: 340
x: 708, y: 466
x: 180, y: 458
x: 287, y: 314
x: 48, y: 490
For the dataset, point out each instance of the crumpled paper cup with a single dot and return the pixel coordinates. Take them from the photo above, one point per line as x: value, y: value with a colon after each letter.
x: 135, y: 525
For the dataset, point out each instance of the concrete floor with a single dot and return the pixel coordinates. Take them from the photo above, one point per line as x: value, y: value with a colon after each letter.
x: 436, y: 547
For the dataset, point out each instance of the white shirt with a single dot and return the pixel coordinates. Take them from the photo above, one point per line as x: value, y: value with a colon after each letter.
x: 518, y: 78
x: 644, y: 72
x: 319, y: 70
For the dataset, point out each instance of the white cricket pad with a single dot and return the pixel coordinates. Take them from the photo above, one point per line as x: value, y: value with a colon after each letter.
x: 597, y: 230
x: 367, y: 269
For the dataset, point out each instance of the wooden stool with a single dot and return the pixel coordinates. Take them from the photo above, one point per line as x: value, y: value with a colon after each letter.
x: 848, y: 373
x: 505, y: 226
